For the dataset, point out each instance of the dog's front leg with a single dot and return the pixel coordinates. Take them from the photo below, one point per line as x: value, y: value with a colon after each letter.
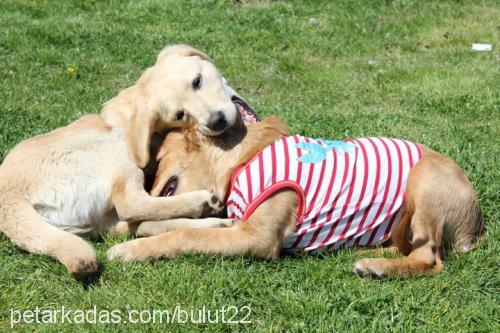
x: 134, y: 204
x: 229, y: 241
x: 262, y: 235
x: 151, y: 228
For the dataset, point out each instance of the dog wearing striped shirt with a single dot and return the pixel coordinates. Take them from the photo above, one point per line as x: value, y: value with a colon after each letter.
x: 292, y: 193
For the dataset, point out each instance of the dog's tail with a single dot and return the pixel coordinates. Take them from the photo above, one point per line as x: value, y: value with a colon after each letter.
x: 464, y: 227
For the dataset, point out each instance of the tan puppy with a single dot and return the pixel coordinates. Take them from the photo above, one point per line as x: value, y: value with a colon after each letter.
x: 86, y: 177
x: 441, y: 206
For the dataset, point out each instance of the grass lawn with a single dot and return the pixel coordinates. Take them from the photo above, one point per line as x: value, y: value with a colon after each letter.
x: 330, y: 69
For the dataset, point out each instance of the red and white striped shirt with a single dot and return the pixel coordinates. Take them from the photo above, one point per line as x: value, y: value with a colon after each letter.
x: 349, y: 194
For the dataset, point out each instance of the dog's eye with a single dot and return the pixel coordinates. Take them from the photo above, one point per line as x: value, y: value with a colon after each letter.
x: 179, y: 115
x: 197, y: 82
x: 170, y: 187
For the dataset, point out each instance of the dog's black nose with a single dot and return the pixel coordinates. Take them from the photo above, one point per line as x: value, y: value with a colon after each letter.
x: 217, y: 121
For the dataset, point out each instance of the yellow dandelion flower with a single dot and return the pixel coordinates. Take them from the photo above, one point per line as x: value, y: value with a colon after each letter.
x: 71, y: 70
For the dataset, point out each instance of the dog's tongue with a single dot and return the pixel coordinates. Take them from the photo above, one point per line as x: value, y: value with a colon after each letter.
x: 247, y: 117
x: 247, y: 114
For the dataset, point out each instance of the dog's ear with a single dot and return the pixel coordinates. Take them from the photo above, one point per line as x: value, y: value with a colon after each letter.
x: 183, y: 51
x: 127, y: 115
x: 193, y: 139
x: 275, y: 124
x: 260, y: 135
x: 140, y: 130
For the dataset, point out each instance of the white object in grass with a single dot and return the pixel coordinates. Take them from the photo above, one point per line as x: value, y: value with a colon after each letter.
x: 481, y: 47
x: 313, y: 20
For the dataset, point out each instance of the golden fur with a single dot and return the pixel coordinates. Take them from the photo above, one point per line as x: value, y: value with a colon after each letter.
x: 86, y: 177
x: 441, y: 206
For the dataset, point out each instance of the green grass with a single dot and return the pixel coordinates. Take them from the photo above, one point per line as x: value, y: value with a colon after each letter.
x: 402, y: 69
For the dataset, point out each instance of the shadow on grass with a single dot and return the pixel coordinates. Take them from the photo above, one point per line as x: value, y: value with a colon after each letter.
x: 93, y: 280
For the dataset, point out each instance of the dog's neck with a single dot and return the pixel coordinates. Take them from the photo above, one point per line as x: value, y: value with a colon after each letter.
x: 237, y: 149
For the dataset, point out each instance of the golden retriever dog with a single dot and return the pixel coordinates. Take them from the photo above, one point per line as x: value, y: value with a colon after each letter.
x: 433, y: 203
x: 86, y: 177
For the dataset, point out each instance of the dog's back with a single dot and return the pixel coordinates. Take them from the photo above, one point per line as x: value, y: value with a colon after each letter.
x: 350, y: 192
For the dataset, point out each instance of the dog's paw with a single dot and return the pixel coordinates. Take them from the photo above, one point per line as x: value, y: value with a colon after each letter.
x: 121, y: 228
x: 81, y: 266
x: 202, y: 204
x: 225, y: 223
x: 127, y: 251
x: 369, y: 268
x: 212, y: 206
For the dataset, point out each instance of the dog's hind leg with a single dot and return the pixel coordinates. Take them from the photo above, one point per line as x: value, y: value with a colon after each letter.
x: 25, y: 228
x: 444, y: 210
x: 423, y: 259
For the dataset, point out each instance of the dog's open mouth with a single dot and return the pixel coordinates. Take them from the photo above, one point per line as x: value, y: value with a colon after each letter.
x: 247, y: 114
x: 170, y: 187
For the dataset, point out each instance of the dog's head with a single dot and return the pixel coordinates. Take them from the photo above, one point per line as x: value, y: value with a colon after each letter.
x: 188, y: 89
x: 182, y: 89
x: 191, y: 161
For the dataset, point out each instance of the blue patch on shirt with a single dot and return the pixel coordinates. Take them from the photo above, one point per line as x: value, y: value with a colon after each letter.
x: 318, y: 153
